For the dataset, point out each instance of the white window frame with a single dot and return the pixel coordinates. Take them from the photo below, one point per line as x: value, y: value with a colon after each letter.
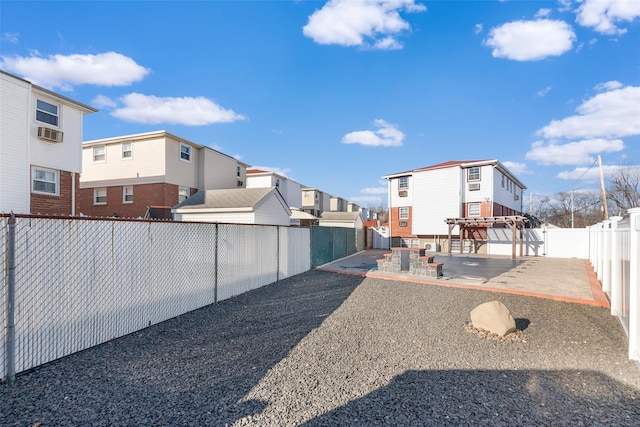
x: 45, y: 112
x: 403, y: 212
x: 96, y: 155
x: 502, y: 181
x: 55, y: 181
x: 187, y: 153
x: 473, y: 206
x: 403, y: 183
x: 125, y: 150
x: 183, y: 193
x: 127, y: 192
x: 469, y: 178
x: 100, y: 193
x: 238, y: 171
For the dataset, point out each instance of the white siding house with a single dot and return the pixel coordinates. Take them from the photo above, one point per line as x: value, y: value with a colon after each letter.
x: 40, y: 148
x: 264, y: 206
x: 420, y: 200
x: 341, y: 219
x: 290, y: 189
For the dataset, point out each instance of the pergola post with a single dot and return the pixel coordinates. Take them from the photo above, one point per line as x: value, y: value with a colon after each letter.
x: 513, y: 240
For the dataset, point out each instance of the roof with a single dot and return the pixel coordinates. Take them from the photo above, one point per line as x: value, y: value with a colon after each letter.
x: 234, y: 199
x: 339, y: 216
x: 296, y: 213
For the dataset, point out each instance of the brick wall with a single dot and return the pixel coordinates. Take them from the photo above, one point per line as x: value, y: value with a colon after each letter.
x: 396, y: 230
x: 56, y: 205
x: 159, y: 194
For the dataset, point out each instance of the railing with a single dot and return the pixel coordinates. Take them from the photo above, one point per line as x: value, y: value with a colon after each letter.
x: 78, y: 282
x: 614, y: 253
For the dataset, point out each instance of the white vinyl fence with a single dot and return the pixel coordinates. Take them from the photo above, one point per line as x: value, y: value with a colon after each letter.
x: 550, y: 242
x: 615, y: 256
x: 80, y: 282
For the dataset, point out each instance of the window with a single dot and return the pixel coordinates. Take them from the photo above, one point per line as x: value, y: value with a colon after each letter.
x: 100, y: 196
x: 127, y: 151
x: 473, y: 174
x: 127, y: 194
x: 46, y: 113
x: 185, y: 152
x: 403, y: 182
x: 502, y: 181
x: 183, y: 193
x: 45, y: 181
x: 277, y: 182
x: 238, y: 171
x: 99, y: 154
x: 474, y: 209
x: 404, y: 213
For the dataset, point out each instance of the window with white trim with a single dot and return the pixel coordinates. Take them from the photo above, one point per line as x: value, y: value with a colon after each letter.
x: 238, y: 171
x: 127, y: 151
x: 99, y: 154
x: 404, y: 213
x: 127, y: 194
x: 47, y: 113
x: 473, y: 174
x: 473, y: 209
x: 45, y: 181
x: 502, y: 181
x: 185, y: 152
x: 403, y: 182
x: 183, y: 193
x: 100, y: 196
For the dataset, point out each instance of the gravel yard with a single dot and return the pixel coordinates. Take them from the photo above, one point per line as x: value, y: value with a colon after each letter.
x: 332, y: 349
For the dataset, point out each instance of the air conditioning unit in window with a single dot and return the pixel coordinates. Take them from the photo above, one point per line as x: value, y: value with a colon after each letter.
x: 50, y: 135
x: 403, y: 193
x: 474, y: 186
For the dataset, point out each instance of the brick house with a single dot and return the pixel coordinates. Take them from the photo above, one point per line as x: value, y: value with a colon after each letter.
x: 133, y: 175
x: 40, y: 148
x: 420, y: 200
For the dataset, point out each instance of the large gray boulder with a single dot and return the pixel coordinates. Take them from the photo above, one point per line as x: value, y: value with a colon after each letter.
x: 493, y: 316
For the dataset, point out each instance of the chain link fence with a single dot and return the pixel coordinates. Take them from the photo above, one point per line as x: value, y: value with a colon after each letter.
x: 81, y: 282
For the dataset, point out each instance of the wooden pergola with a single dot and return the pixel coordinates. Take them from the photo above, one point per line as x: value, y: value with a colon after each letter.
x: 516, y: 222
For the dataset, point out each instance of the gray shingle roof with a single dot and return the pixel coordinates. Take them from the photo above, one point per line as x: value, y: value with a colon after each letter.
x: 339, y: 216
x: 226, y: 199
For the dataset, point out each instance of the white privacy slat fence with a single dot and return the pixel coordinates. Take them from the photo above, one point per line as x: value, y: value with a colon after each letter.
x: 81, y: 282
x: 614, y: 253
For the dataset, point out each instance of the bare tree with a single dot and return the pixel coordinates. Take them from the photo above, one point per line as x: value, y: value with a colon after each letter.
x: 585, y: 209
x: 624, y: 190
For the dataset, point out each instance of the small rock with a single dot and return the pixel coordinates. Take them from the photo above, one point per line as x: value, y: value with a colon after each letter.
x: 493, y: 316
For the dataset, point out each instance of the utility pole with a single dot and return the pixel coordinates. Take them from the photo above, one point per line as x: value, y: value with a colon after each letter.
x: 572, y: 208
x: 604, y: 196
x: 530, y: 204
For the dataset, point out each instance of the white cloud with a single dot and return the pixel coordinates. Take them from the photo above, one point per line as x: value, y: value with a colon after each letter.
x: 477, y: 29
x: 366, y: 23
x: 139, y: 108
x: 374, y: 190
x: 605, y: 87
x: 531, y: 40
x: 543, y: 13
x: 64, y: 71
x: 590, y: 174
x: 10, y: 37
x: 102, y: 101
x: 603, y: 15
x: 612, y: 114
x: 543, y: 92
x: 387, y: 135
x: 573, y: 153
x: 368, y: 200
x: 517, y: 168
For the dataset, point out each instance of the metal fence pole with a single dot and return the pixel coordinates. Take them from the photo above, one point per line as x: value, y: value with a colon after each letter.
x: 11, y: 295
x: 215, y: 260
x: 277, y: 253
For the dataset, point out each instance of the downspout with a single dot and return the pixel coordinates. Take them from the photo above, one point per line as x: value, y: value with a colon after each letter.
x: 73, y: 194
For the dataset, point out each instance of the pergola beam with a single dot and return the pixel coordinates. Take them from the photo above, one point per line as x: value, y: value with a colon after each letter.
x: 516, y: 222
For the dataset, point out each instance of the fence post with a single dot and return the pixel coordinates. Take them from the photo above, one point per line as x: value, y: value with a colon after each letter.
x: 277, y: 253
x: 634, y: 281
x: 215, y: 264
x: 11, y: 296
x: 616, y: 276
x: 606, y: 257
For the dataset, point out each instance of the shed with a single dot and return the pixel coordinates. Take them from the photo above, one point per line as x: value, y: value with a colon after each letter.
x: 264, y: 206
x: 341, y: 219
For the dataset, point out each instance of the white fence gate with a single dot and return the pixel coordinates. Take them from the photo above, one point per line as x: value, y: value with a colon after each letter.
x: 551, y: 242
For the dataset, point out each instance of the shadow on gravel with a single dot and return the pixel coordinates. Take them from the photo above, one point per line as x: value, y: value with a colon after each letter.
x: 191, y: 370
x: 534, y: 397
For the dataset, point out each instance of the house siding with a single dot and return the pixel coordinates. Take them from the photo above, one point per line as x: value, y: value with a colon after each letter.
x: 438, y: 198
x: 14, y: 148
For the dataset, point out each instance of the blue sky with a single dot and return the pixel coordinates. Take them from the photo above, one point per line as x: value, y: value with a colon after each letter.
x: 337, y: 94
